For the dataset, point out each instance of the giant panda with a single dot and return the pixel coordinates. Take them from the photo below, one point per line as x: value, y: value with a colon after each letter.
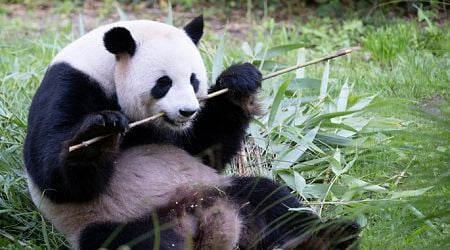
x: 158, y: 185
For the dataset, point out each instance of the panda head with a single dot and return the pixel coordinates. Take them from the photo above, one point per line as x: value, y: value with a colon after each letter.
x: 158, y: 69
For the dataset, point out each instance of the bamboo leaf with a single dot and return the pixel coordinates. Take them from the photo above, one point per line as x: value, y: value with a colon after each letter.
x: 300, y: 182
x: 383, y: 124
x: 247, y: 49
x: 358, y: 184
x: 335, y: 162
x: 319, y: 118
x: 280, y: 50
x: 81, y: 27
x: 300, y: 73
x: 409, y: 193
x: 311, y: 164
x: 309, y: 137
x: 169, y: 17
x: 258, y: 48
x: 123, y: 16
x: 288, y: 178
x: 289, y: 158
x: 218, y: 59
x: 324, y: 82
x: 269, y: 65
x: 276, y: 102
x: 362, y: 103
x: 304, y: 83
x: 343, y: 97
x: 318, y: 191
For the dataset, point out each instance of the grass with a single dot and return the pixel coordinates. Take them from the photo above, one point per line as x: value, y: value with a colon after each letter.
x: 404, y: 63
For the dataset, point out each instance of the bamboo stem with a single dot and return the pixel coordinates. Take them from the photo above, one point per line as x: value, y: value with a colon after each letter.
x: 338, y: 53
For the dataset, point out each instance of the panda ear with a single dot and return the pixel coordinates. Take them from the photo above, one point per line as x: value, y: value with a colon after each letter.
x: 118, y: 40
x: 194, y: 29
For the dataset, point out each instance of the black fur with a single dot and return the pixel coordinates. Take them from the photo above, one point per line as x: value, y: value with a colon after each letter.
x: 74, y: 111
x: 220, y: 126
x: 119, y: 40
x: 162, y: 86
x: 194, y: 82
x: 68, y: 107
x: 139, y: 235
x: 194, y: 29
x: 265, y: 204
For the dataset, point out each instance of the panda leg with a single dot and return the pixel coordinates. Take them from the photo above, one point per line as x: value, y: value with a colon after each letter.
x: 140, y: 234
x: 268, y: 223
x: 219, y: 227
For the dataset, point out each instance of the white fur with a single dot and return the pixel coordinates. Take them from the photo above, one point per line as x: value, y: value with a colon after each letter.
x: 161, y: 50
x: 144, y: 179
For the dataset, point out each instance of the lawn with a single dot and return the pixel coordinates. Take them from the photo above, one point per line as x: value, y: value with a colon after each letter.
x: 386, y: 165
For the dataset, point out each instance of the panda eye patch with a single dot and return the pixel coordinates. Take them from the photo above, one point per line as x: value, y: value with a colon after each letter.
x: 161, y: 87
x: 194, y: 82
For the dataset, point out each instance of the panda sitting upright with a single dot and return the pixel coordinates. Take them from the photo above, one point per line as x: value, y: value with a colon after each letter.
x: 155, y: 186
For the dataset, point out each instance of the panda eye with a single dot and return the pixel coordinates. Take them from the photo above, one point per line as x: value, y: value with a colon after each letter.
x: 161, y: 87
x: 194, y: 82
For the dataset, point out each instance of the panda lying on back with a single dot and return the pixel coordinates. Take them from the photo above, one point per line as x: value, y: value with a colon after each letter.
x: 149, y: 187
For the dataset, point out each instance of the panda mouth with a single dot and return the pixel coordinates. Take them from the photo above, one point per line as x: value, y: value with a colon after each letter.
x: 175, y: 123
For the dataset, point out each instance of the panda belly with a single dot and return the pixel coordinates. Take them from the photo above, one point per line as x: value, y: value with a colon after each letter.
x: 145, y: 178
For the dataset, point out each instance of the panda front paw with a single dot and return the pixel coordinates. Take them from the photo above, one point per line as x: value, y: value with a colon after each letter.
x: 101, y: 123
x: 242, y: 80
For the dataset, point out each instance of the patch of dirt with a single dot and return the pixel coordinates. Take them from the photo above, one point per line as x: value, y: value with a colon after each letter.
x: 433, y: 104
x: 95, y: 13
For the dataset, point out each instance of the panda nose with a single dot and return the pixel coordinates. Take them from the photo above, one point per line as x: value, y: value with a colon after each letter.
x: 187, y: 112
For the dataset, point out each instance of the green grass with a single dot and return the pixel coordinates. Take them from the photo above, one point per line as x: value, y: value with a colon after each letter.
x: 405, y: 63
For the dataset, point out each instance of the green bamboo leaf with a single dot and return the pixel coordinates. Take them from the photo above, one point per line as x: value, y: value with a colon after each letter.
x: 334, y: 140
x: 335, y: 162
x: 362, y: 103
x: 247, y: 49
x: 258, y: 48
x: 218, y: 59
x: 331, y: 125
x: 300, y: 182
x: 304, y: 83
x: 309, y: 137
x: 311, y: 164
x: 289, y: 158
x: 348, y: 165
x: 383, y: 124
x: 319, y: 118
x: 409, y: 193
x: 357, y: 123
x: 358, y: 184
x: 123, y: 16
x: 280, y: 50
x: 324, y: 82
x: 288, y: 178
x: 343, y: 97
x: 276, y: 102
x: 300, y: 73
x: 269, y: 65
x: 169, y: 17
x: 81, y: 27
x: 318, y: 191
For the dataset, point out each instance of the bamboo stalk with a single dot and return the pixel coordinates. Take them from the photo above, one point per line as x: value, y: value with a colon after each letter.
x: 338, y: 53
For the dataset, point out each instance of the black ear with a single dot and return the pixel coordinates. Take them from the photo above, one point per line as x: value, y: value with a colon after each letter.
x: 194, y: 29
x: 118, y: 40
